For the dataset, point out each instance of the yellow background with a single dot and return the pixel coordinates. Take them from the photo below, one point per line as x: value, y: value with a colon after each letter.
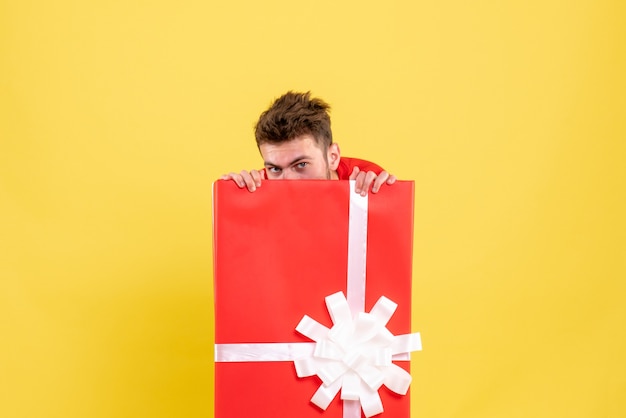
x: 116, y: 116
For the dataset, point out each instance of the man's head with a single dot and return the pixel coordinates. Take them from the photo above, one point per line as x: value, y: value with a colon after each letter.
x: 295, y: 139
x: 293, y: 115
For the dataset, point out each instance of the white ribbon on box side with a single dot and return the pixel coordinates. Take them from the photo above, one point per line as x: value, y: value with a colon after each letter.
x: 357, y: 250
x: 262, y: 351
x: 355, y: 355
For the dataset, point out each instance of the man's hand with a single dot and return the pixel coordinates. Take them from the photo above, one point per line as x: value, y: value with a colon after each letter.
x: 250, y: 179
x: 365, y: 179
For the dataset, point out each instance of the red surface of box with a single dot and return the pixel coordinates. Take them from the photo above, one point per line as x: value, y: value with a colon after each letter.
x: 278, y: 252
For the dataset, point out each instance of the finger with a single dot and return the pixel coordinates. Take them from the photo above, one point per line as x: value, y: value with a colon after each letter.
x: 392, y: 179
x: 367, y: 182
x: 247, y: 179
x: 379, y: 181
x: 355, y: 172
x: 236, y: 178
x: 256, y: 177
x: 369, y: 179
x: 359, y: 182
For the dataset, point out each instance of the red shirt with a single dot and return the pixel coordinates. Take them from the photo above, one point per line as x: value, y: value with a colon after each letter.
x: 346, y: 165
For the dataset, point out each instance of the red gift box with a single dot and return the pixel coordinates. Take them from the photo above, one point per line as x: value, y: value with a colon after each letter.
x: 278, y: 253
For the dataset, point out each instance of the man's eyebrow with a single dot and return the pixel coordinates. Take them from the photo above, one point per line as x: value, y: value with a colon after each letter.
x: 294, y: 161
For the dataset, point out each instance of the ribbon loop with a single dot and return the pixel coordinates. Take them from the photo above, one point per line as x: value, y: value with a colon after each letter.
x: 331, y: 372
x: 309, y: 327
x: 328, y: 349
x: 371, y: 403
x: 397, y: 379
x: 350, y: 387
x: 384, y: 309
x: 338, y: 308
x: 305, y: 367
x: 372, y: 376
x: 355, y: 355
x: 406, y: 343
x: 325, y: 394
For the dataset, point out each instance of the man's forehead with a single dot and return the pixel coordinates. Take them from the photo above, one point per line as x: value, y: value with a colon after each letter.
x: 290, y: 150
x: 300, y: 140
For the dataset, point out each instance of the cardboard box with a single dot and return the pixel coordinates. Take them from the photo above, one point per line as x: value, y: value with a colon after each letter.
x: 278, y: 253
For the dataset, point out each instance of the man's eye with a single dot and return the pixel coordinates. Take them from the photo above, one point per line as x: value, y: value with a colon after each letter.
x: 273, y: 170
x: 302, y: 165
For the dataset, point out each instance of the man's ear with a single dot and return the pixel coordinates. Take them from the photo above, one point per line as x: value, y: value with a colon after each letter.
x: 333, y: 156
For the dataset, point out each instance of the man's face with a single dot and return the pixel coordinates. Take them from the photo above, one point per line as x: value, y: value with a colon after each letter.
x: 300, y: 158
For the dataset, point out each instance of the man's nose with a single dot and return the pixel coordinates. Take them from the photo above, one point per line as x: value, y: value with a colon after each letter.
x: 290, y: 175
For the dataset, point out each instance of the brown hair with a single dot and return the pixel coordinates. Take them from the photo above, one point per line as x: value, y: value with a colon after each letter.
x: 294, y: 114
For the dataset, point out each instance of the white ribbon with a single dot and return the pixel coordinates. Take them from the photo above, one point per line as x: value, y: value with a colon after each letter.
x: 357, y: 250
x: 355, y: 355
x: 262, y: 351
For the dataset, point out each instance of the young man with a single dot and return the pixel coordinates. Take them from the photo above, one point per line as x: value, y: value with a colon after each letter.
x: 296, y: 142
